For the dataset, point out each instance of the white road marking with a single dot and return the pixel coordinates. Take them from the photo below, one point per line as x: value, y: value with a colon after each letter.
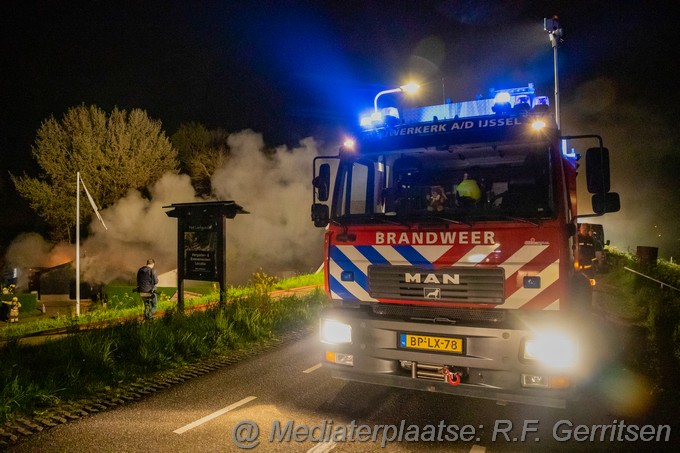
x: 207, y: 418
x: 312, y: 369
x: 322, y: 447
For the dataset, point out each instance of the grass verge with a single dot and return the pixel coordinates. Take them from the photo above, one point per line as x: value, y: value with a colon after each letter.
x: 36, y: 377
x: 123, y: 304
x: 651, y: 305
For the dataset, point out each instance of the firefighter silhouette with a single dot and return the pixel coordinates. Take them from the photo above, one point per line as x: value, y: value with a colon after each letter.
x: 586, y: 249
x: 14, y: 306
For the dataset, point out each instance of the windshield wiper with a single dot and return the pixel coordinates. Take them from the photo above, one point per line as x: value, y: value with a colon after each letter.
x: 447, y: 220
x: 536, y: 222
x: 385, y: 219
x: 366, y: 218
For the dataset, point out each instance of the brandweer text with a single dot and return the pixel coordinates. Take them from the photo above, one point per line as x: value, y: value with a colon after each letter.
x: 431, y: 237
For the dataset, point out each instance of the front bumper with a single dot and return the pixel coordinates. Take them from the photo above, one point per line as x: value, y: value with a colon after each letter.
x: 489, y: 363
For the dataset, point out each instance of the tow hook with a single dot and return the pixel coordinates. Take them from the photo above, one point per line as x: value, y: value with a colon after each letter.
x: 452, y: 378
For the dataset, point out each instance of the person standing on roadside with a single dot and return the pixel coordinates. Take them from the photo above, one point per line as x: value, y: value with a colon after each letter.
x: 147, y: 280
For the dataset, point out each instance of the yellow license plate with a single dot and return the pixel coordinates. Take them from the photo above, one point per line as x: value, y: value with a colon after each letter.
x: 429, y: 343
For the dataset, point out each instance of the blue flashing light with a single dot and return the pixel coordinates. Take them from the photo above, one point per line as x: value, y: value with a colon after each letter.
x: 541, y: 100
x: 541, y: 104
x: 520, y: 100
x: 388, y: 115
x: 390, y: 111
x: 510, y: 101
x: 371, y: 120
x: 522, y: 104
x: 502, y: 97
x: 501, y: 103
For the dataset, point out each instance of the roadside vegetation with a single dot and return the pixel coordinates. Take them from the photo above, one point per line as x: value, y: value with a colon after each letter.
x: 34, y: 378
x: 121, y: 304
x: 643, y: 300
x: 652, y: 306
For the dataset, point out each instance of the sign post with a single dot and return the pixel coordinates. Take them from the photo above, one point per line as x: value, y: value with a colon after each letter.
x: 201, y: 243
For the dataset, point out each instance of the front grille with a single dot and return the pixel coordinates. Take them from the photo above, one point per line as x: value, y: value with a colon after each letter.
x: 466, y: 285
x: 453, y: 314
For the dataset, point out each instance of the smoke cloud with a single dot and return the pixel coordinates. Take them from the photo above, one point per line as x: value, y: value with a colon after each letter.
x: 277, y: 236
x: 643, y: 167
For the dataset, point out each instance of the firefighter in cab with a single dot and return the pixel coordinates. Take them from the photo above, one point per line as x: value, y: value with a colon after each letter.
x: 468, y: 191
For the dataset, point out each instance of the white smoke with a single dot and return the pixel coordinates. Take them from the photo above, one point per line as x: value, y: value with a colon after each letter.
x: 138, y: 229
x: 638, y: 150
x: 277, y: 236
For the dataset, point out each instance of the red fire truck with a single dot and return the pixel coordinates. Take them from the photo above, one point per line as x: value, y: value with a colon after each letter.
x: 451, y: 250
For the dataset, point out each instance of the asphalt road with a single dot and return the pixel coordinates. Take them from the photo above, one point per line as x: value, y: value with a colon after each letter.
x: 292, y: 400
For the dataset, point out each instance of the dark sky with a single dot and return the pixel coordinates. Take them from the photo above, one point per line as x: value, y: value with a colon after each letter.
x: 292, y: 69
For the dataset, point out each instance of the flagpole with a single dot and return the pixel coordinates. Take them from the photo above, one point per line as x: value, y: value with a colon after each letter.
x: 78, y: 244
x: 79, y: 181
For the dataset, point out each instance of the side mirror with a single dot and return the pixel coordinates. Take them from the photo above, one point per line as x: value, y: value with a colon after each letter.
x: 322, y: 182
x: 606, y: 202
x: 320, y: 215
x: 597, y: 170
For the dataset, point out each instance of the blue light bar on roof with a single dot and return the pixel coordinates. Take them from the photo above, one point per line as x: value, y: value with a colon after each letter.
x: 506, y: 101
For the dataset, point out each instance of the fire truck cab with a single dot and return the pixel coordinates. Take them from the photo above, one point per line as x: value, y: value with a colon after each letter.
x: 451, y: 251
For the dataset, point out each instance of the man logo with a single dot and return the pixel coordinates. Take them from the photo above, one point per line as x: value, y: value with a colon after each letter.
x: 443, y: 279
x: 432, y: 293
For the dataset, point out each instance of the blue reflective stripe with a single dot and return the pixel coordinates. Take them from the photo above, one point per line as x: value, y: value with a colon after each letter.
x: 413, y: 257
x: 347, y: 265
x: 371, y: 254
x: 337, y: 255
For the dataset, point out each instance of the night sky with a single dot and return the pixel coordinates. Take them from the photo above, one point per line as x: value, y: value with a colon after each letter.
x: 294, y: 69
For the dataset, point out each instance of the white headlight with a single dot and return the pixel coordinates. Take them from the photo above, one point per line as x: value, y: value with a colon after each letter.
x: 335, y: 332
x: 553, y: 349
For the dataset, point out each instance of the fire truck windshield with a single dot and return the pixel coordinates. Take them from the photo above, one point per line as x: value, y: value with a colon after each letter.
x: 467, y: 184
